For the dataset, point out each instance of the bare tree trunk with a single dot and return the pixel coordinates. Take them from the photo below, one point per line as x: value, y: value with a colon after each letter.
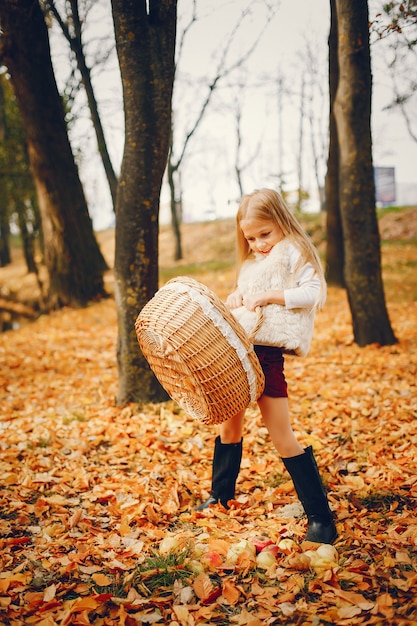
x: 73, y: 259
x: 240, y: 167
x: 75, y: 41
x: 5, y: 257
x: 362, y: 267
x: 145, y: 36
x: 316, y: 157
x: 17, y: 187
x: 335, y: 248
x: 301, y: 146
x: 281, y: 174
x: 28, y: 240
x: 172, y: 169
x: 223, y: 69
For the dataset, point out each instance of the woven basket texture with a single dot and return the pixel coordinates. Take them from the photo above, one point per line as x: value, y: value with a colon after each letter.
x: 191, y: 357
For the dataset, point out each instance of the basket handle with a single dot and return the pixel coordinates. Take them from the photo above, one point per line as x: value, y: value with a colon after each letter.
x: 258, y: 322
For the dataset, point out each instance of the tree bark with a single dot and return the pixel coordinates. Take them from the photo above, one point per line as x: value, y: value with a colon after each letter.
x: 72, y: 257
x: 334, y: 250
x: 362, y: 262
x: 5, y: 257
x: 145, y: 36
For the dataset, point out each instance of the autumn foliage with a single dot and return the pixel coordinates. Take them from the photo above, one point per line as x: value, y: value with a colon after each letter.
x: 97, y: 522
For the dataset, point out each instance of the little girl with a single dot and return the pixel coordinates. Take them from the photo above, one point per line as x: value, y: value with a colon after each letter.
x: 279, y: 270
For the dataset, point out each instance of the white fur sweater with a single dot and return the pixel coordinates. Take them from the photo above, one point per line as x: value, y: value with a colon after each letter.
x: 282, y: 326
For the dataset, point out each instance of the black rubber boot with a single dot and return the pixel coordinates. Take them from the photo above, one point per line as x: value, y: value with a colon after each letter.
x: 309, y: 487
x: 226, y: 466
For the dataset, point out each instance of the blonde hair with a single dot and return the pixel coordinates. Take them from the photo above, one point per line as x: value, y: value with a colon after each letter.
x: 268, y: 205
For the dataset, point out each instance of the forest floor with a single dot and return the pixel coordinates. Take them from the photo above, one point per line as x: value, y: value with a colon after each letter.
x: 96, y: 509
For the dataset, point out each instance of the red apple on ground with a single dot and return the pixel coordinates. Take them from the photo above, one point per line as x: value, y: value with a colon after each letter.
x: 211, y: 560
x: 273, y: 548
x: 261, y: 542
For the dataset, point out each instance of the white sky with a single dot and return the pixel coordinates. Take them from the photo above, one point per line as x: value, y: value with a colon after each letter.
x: 208, y: 179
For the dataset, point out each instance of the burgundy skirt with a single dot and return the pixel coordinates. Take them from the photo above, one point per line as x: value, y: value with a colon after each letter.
x: 272, y: 363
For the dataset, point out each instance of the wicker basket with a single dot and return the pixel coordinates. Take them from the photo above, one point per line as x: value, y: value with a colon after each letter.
x: 200, y: 354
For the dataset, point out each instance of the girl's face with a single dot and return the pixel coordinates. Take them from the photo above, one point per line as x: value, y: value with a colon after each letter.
x: 261, y: 235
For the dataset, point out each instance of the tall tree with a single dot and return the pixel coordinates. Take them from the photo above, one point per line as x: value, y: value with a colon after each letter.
x: 300, y: 172
x: 72, y: 27
x: 316, y: 116
x: 18, y: 196
x: 242, y: 165
x: 334, y: 249
x: 72, y: 257
x: 352, y: 109
x: 5, y: 256
x: 145, y: 38
x: 204, y: 96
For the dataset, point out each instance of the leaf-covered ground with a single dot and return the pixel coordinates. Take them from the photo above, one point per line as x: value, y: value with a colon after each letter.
x: 96, y: 508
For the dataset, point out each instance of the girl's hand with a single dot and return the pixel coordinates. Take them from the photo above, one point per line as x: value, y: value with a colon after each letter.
x: 234, y: 300
x: 258, y: 299
x: 263, y: 298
